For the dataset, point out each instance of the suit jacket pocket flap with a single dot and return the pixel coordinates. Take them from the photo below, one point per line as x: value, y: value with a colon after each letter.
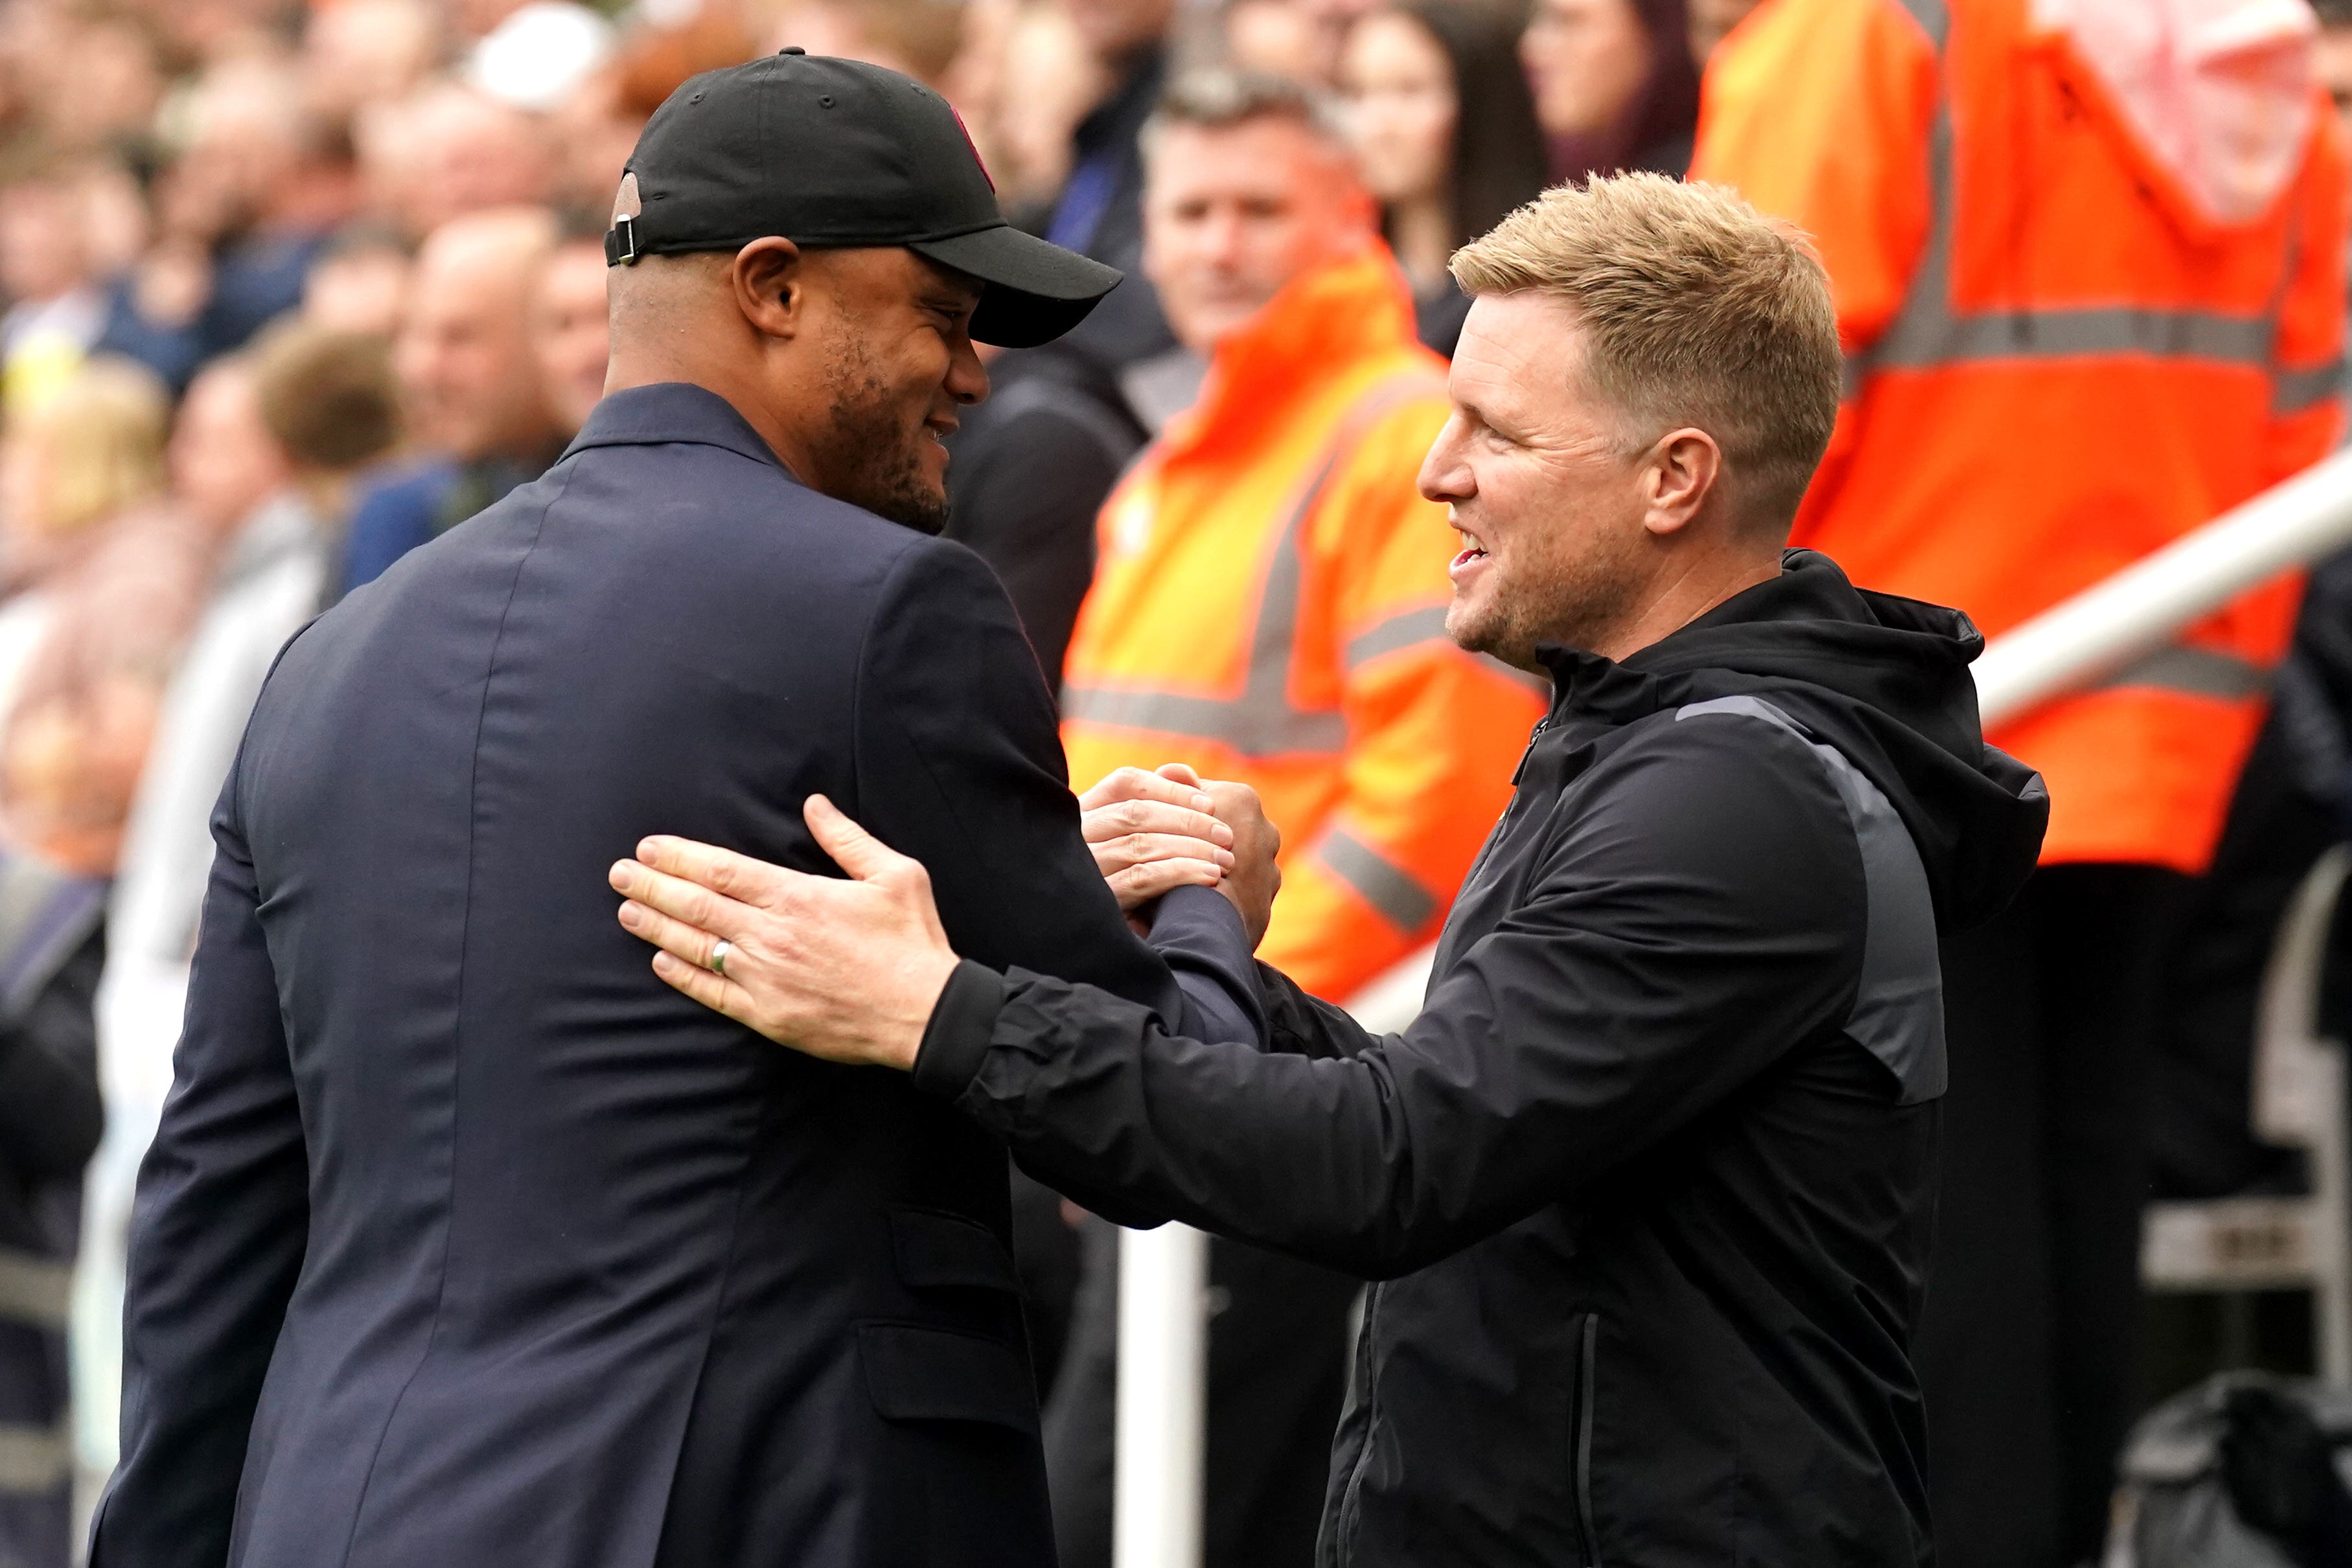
x: 914, y: 1374
x: 938, y: 1249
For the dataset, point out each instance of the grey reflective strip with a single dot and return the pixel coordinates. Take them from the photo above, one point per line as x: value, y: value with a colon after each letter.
x: 1261, y: 721
x: 1927, y: 332
x: 2198, y: 672
x: 2066, y: 334
x: 1252, y: 731
x: 33, y: 1459
x: 1408, y: 630
x: 1934, y: 19
x: 2292, y: 390
x: 1898, y: 1002
x: 34, y: 1290
x: 1386, y: 886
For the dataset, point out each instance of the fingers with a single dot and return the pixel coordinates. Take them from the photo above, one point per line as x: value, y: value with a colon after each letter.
x: 1141, y: 884
x: 853, y: 848
x: 1179, y: 773
x: 738, y: 876
x: 713, y: 991
x: 1141, y: 848
x: 1134, y: 783
x: 1105, y: 822
x: 669, y: 934
x: 680, y: 899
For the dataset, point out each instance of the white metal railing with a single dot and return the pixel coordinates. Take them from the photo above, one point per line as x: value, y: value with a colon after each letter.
x: 2134, y: 612
x: 1163, y: 1314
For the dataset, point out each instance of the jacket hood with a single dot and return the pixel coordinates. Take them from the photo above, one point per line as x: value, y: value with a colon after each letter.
x: 1883, y: 680
x: 2215, y: 100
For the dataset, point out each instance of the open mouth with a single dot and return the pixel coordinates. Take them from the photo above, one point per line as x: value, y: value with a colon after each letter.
x: 1472, y: 551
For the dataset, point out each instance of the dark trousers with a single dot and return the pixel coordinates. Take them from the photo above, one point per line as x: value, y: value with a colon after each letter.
x: 2027, y: 1348
x: 1277, y: 1374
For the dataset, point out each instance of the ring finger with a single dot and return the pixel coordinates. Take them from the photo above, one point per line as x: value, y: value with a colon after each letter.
x: 674, y: 936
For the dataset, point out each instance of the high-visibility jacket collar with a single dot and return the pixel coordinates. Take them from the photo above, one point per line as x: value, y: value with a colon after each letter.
x: 1322, y: 326
x: 2214, y: 100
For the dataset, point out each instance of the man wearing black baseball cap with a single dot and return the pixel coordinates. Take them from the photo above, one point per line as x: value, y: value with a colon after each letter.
x: 464, y: 1240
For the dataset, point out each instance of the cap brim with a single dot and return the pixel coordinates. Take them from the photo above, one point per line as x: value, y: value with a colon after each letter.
x: 1035, y: 292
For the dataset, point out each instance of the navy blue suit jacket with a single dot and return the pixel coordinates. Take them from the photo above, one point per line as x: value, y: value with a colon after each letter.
x: 466, y: 1240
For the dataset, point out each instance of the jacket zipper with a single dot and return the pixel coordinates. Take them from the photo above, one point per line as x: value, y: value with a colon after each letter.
x: 1533, y: 736
x: 1588, y: 1544
x: 1350, y: 1500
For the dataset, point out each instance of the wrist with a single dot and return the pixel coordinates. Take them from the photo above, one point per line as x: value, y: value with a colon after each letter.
x: 926, y: 982
x: 962, y: 1023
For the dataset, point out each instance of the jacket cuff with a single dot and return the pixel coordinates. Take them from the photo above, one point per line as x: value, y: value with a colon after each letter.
x: 957, y: 1037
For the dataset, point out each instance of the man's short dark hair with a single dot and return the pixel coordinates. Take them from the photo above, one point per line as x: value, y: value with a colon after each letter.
x: 2334, y: 13
x: 329, y: 397
x: 1219, y: 98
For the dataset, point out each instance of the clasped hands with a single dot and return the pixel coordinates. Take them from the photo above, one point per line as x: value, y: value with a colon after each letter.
x: 850, y: 971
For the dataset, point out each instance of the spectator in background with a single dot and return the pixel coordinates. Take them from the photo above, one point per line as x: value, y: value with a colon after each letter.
x: 1711, y: 22
x: 450, y: 151
x: 916, y: 38
x: 1044, y: 82
x: 1614, y: 83
x: 2334, y: 58
x: 89, y: 452
x: 50, y: 1117
x: 55, y: 309
x: 1445, y: 137
x: 2030, y: 247
x: 59, y: 483
x: 569, y: 332
x: 359, y: 52
x: 1278, y: 37
x: 261, y: 460
x: 470, y: 386
x: 1269, y: 608
x: 358, y: 282
x: 1100, y: 210
x: 241, y: 215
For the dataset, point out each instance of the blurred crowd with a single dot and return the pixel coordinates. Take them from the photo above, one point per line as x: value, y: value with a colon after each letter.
x: 291, y: 288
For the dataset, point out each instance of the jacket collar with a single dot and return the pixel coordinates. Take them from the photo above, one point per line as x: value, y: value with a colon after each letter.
x: 672, y: 411
x: 1619, y: 693
x: 1324, y: 325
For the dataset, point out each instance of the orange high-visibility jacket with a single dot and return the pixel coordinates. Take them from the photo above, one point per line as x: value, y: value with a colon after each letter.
x: 1270, y: 608
x: 2056, y: 364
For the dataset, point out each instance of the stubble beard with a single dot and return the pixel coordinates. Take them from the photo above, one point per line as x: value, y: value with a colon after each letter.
x: 1580, y: 598
x: 878, y: 463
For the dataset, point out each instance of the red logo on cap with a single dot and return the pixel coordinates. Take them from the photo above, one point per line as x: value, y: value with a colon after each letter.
x: 975, y: 150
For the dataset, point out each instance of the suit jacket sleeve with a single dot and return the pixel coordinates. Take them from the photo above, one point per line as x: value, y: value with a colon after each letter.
x: 960, y: 766
x: 218, y: 1238
x: 1676, y: 942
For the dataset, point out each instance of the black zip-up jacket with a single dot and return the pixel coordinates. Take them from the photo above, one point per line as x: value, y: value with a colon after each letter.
x: 1650, y: 1181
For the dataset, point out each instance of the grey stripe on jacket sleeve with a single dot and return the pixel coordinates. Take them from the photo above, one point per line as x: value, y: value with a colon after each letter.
x: 1898, y: 1004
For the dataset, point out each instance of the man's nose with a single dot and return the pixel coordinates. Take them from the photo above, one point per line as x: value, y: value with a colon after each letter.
x: 1220, y: 238
x: 967, y: 377
x: 1444, y: 474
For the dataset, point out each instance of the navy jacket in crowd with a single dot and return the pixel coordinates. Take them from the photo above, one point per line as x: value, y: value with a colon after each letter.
x: 465, y: 1239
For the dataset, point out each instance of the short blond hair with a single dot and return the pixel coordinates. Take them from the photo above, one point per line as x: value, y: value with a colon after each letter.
x: 1697, y: 310
x: 105, y: 429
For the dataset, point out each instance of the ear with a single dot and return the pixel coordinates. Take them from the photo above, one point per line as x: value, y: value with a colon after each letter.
x: 1681, y: 472
x: 771, y: 281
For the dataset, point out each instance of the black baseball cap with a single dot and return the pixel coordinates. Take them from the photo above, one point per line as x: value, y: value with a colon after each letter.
x: 833, y: 153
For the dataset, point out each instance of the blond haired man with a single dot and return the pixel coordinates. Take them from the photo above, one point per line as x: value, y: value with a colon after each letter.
x: 1648, y: 1181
